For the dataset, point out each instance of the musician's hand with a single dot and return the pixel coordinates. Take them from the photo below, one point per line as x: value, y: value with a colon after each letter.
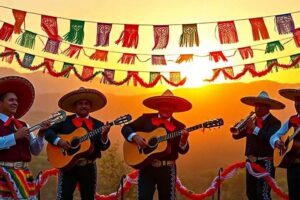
x: 105, y: 130
x: 64, y: 144
x: 44, y: 127
x: 22, y: 133
x: 140, y: 141
x: 250, y: 125
x: 280, y: 145
x: 184, y: 137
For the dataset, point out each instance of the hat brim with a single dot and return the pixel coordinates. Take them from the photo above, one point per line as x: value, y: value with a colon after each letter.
x: 23, y: 89
x: 97, y: 99
x: 178, y: 104
x: 290, y: 94
x: 251, y: 101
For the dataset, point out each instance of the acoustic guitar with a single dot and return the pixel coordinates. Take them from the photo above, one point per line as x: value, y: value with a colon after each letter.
x: 81, y: 145
x: 137, y: 157
x: 283, y: 158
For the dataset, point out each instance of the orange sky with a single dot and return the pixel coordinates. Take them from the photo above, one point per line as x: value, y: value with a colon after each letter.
x: 163, y: 12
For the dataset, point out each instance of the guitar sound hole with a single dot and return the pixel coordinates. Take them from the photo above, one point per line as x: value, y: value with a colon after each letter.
x: 153, y: 142
x: 75, y: 142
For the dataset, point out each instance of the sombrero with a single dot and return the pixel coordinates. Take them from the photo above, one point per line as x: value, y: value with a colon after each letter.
x: 291, y: 94
x: 67, y: 102
x: 23, y: 89
x: 263, y: 98
x: 179, y: 104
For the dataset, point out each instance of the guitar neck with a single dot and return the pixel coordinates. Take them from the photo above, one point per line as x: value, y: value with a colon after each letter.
x: 178, y: 133
x: 35, y: 127
x: 93, y: 133
x: 294, y: 134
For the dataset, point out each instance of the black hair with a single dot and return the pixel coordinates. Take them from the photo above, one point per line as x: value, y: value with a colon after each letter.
x: 3, y: 95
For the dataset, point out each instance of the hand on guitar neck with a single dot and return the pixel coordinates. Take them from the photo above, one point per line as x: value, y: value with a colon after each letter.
x: 105, y: 131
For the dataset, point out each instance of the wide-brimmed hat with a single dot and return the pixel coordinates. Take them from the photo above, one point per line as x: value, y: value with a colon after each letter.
x: 23, y: 89
x: 263, y: 98
x: 97, y: 99
x: 179, y: 104
x: 291, y: 94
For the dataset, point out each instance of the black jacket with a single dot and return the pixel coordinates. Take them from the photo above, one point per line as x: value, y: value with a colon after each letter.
x: 258, y: 145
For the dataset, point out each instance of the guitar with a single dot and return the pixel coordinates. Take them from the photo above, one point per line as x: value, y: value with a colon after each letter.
x: 283, y: 159
x: 137, y: 157
x: 54, y: 119
x: 81, y: 145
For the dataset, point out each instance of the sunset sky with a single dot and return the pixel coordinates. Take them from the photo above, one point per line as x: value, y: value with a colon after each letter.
x: 204, y: 12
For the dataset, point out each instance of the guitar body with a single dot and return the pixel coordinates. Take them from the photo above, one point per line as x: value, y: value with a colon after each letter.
x: 62, y: 159
x: 283, y: 160
x: 137, y: 158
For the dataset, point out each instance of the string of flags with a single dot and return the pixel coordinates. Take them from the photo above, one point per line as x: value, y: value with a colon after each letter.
x: 108, y: 75
x: 129, y: 38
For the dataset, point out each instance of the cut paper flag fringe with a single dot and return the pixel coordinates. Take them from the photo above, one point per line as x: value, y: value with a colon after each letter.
x: 184, y: 58
x: 103, y: 33
x: 99, y: 55
x: 189, y: 36
x: 76, y: 33
x: 161, y: 36
x: 227, y: 32
x: 259, y: 29
x: 130, y: 36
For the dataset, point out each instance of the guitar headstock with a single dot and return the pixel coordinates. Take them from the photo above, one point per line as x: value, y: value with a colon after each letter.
x: 122, y: 120
x: 57, y: 117
x: 213, y: 123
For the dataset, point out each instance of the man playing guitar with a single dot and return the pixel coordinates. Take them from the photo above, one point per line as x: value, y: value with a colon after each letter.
x: 293, y: 167
x: 162, y: 170
x: 81, y: 102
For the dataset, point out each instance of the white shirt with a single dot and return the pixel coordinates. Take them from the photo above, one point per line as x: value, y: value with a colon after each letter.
x: 283, y: 130
x: 36, y: 143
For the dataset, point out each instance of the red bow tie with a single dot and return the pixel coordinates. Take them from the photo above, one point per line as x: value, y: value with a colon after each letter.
x: 295, y: 120
x: 259, y: 122
x: 158, y: 121
x: 78, y: 122
x: 14, y: 121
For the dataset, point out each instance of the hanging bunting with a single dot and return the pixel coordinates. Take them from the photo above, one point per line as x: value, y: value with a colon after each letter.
x: 87, y: 72
x: 227, y: 32
x: 49, y: 25
x: 284, y: 23
x: 269, y: 62
x: 189, y: 36
x: 19, y: 20
x: 250, y: 67
x: 27, y: 39
x: 184, y: 58
x: 216, y: 56
x: 72, y: 50
x: 293, y: 58
x: 27, y: 60
x: 153, y: 76
x: 229, y: 72
x: 259, y: 29
x: 134, y: 76
x: 130, y: 36
x: 103, y: 33
x: 110, y: 74
x: 127, y: 58
x: 158, y: 60
x: 161, y: 36
x: 52, y: 46
x: 10, y: 57
x: 76, y: 33
x: 6, y: 31
x: 175, y: 77
x: 296, y: 34
x: 99, y: 55
x: 246, y: 52
x: 65, y: 67
x: 49, y: 64
x: 274, y: 46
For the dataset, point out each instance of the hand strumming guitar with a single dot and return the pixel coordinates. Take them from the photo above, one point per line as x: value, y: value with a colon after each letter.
x: 140, y: 141
x: 280, y: 145
x: 64, y: 144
